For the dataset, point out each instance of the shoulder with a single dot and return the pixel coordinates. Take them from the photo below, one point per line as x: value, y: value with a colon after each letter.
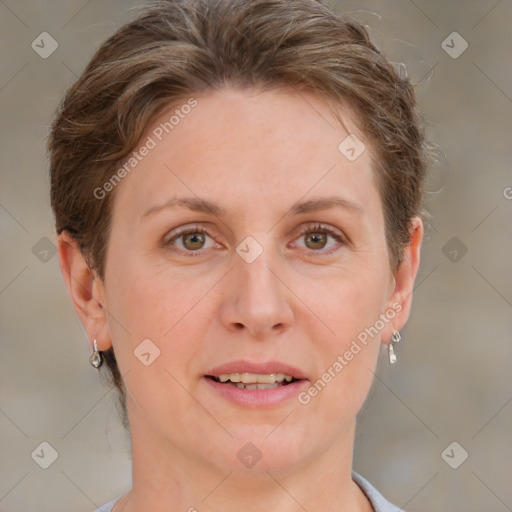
x: 108, y: 506
x: 379, y: 503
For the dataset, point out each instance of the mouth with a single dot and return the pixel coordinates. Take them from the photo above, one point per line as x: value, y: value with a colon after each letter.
x: 256, y: 385
x: 254, y: 381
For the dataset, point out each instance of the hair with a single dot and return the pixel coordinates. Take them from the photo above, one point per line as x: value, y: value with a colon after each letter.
x: 182, y: 47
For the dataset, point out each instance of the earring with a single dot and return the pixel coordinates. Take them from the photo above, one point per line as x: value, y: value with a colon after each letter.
x: 391, y: 351
x: 95, y: 358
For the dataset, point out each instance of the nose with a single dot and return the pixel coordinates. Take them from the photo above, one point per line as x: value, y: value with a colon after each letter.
x: 256, y: 298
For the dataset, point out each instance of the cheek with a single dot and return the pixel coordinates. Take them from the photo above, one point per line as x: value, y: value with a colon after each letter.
x: 169, y: 308
x: 344, y: 304
x: 164, y: 310
x: 350, y: 309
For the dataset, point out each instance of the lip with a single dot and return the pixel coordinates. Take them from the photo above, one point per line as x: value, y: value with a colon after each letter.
x: 243, y: 366
x: 257, y: 398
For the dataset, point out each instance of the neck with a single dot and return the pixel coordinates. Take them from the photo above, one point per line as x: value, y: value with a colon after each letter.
x: 165, y: 478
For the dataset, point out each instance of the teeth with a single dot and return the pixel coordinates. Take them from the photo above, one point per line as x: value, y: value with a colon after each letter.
x: 252, y: 378
x: 255, y: 386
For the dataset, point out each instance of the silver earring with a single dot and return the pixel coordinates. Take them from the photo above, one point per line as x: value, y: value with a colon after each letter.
x: 391, y: 351
x: 95, y: 359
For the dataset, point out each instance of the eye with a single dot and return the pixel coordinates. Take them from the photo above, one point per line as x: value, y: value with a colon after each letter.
x: 189, y: 240
x: 316, y: 238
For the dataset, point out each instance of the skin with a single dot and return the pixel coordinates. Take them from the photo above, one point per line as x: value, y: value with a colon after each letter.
x: 255, y: 154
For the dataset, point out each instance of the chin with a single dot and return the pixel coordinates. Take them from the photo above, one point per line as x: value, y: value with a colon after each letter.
x: 258, y: 450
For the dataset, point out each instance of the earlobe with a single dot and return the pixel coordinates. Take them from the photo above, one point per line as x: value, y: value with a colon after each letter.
x: 84, y: 289
x: 404, y: 278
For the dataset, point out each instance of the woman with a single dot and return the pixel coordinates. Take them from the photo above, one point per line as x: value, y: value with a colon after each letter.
x: 237, y: 193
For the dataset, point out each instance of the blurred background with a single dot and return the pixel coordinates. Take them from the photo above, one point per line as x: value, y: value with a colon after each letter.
x: 436, y: 432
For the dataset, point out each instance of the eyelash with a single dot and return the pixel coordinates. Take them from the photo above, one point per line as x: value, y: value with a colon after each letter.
x: 315, y: 228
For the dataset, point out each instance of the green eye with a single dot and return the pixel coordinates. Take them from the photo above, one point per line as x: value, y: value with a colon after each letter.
x: 193, y: 240
x: 316, y: 239
x: 189, y: 241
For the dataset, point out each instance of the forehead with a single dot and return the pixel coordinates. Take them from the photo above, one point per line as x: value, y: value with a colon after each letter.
x: 242, y: 147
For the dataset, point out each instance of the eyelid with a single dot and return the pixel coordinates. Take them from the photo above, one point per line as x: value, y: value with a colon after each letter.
x: 319, y: 226
x: 183, y: 230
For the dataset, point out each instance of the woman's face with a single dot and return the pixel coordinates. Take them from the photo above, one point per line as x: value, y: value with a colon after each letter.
x: 267, y: 275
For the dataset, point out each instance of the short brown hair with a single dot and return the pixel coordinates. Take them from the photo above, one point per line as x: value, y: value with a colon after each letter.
x: 183, y: 47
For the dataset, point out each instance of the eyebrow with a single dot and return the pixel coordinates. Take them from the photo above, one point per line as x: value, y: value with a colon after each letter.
x: 204, y: 206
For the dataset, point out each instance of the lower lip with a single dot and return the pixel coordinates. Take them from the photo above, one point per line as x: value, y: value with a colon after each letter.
x: 258, y: 398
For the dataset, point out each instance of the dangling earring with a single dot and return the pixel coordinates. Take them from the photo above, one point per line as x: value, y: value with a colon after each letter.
x: 95, y: 359
x: 391, y: 351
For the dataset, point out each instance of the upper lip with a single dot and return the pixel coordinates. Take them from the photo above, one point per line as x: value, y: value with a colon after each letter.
x: 267, y: 368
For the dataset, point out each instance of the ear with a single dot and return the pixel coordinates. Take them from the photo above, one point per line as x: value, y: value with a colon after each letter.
x: 85, y: 290
x: 402, y: 283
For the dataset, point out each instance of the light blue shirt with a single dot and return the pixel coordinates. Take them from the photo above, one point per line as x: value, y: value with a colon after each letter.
x: 379, y: 503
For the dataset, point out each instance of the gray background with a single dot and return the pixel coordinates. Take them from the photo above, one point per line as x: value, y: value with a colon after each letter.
x: 452, y: 382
